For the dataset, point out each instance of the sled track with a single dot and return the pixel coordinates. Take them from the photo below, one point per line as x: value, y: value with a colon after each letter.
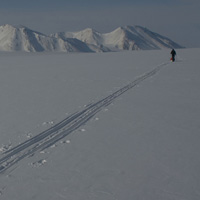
x: 60, y: 130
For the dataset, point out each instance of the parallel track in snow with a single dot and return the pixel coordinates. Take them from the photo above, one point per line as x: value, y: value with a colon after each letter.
x: 60, y: 130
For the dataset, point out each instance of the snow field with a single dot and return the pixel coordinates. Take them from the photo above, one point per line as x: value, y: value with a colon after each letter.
x: 143, y: 146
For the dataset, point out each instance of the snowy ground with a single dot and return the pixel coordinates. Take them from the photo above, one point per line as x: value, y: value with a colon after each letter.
x: 143, y: 145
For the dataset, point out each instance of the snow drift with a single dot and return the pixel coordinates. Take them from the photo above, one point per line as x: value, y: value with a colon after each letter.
x: 21, y: 38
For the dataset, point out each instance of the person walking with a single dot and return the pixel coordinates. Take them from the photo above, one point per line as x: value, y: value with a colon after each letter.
x: 173, y: 53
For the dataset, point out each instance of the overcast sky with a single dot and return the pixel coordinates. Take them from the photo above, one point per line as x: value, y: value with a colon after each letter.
x: 177, y: 19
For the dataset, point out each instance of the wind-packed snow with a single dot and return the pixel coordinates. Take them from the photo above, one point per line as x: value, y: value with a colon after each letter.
x: 131, y: 124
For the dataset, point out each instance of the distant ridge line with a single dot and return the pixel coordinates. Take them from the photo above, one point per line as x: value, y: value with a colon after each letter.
x: 21, y: 38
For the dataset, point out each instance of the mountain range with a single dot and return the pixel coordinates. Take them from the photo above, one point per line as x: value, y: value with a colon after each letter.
x: 21, y: 38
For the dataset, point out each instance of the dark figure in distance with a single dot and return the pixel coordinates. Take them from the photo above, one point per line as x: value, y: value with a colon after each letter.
x: 173, y: 52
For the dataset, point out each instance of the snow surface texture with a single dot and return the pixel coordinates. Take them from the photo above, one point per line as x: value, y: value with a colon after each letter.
x: 20, y: 38
x: 131, y: 126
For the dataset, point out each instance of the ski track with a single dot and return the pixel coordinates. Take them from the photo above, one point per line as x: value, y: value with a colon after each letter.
x: 60, y: 130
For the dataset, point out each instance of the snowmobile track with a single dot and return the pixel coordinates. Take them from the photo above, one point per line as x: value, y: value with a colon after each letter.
x: 60, y: 130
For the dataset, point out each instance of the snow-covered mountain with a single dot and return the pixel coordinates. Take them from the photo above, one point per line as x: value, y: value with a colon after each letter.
x: 20, y: 38
x: 123, y: 38
x: 89, y: 36
x: 137, y: 38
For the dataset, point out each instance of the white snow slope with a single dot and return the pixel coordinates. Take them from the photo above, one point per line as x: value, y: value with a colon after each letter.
x: 100, y: 126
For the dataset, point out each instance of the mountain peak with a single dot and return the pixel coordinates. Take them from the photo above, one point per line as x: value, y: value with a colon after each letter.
x: 89, y: 30
x: 8, y: 26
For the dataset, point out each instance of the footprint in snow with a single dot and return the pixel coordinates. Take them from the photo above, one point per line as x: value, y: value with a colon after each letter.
x: 2, y: 190
x: 48, y: 123
x: 29, y: 135
x: 5, y: 147
x: 53, y: 146
x: 39, y: 163
x: 65, y: 142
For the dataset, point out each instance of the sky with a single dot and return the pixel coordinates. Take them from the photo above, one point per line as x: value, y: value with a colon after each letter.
x: 177, y: 19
